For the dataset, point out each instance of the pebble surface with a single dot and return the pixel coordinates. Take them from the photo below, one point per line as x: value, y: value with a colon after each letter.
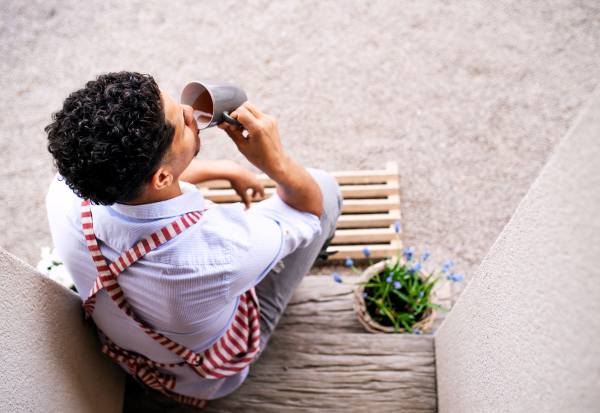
x: 469, y: 97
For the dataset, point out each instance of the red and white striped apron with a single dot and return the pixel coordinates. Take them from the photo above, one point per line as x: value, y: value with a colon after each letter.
x: 228, y: 356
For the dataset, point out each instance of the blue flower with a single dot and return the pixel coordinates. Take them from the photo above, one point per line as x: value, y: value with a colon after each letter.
x: 397, y: 285
x: 336, y: 277
x: 397, y: 226
x: 458, y: 278
x: 450, y: 276
x: 349, y: 262
x: 447, y: 265
x: 416, y: 331
x: 388, y: 279
x: 426, y: 255
x: 408, y: 251
x: 421, y: 293
x: 365, y: 295
x: 366, y: 252
x: 415, y: 268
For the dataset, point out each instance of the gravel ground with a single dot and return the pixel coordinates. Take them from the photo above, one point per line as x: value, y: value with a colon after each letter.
x: 469, y: 97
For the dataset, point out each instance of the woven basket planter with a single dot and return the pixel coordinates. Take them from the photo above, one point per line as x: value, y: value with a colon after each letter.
x: 360, y: 306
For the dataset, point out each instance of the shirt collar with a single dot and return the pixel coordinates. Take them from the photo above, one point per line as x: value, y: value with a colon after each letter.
x: 190, y: 202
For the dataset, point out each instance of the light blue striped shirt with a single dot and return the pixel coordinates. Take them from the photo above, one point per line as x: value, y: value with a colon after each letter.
x: 188, y: 288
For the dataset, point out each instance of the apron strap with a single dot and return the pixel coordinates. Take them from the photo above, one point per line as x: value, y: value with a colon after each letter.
x: 107, y: 274
x: 238, y: 346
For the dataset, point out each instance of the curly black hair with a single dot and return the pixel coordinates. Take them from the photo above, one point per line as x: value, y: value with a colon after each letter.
x: 110, y: 137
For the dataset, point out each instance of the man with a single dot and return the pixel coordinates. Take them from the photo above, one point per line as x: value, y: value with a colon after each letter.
x: 124, y: 150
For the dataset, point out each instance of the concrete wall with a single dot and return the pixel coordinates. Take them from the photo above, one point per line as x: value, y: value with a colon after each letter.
x: 50, y: 361
x: 525, y: 334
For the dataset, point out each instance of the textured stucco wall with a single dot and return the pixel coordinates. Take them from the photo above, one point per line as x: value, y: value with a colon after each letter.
x: 50, y: 361
x: 525, y: 334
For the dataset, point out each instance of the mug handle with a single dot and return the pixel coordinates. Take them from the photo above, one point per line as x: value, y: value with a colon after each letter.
x: 228, y: 119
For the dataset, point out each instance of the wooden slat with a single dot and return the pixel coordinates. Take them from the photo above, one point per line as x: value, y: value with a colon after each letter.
x: 356, y: 251
x: 369, y: 220
x: 363, y: 177
x: 370, y: 191
x: 348, y: 191
x: 371, y: 205
x: 367, y: 235
x: 360, y: 205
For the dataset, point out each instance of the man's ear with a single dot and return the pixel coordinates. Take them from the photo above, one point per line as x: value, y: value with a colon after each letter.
x: 163, y: 178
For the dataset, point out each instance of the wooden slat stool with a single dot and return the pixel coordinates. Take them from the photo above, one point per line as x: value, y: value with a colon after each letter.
x: 371, y: 207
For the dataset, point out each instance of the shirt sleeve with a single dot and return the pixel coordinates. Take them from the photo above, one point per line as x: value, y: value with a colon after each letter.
x: 282, y: 224
x: 298, y: 228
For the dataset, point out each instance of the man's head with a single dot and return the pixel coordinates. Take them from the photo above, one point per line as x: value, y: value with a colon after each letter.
x: 119, y: 136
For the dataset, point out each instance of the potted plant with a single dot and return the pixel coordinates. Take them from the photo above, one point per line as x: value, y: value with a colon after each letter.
x: 396, y: 295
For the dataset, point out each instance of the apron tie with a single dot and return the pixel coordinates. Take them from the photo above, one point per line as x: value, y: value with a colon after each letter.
x: 141, y: 368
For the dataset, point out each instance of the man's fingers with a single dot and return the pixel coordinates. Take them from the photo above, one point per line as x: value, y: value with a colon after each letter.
x: 245, y: 117
x: 236, y: 136
x: 252, y: 109
x: 226, y: 126
x: 247, y: 199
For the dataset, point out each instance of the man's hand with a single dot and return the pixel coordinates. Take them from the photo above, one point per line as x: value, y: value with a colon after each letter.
x: 262, y: 147
x: 240, y: 178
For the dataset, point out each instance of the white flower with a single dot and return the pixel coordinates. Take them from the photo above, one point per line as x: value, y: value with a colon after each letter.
x: 60, y: 274
x: 44, y: 266
x: 51, y: 266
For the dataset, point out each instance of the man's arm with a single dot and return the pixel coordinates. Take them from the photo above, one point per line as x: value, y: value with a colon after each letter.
x: 262, y: 147
x: 241, y: 179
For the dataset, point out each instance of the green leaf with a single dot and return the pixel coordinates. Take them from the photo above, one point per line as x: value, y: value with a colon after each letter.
x: 368, y: 284
x: 383, y: 309
x: 356, y: 270
x: 402, y: 296
x: 428, y: 277
x: 436, y: 306
x: 406, y: 326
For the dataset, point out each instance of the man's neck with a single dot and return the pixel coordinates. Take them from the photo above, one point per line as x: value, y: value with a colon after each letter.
x: 150, y: 196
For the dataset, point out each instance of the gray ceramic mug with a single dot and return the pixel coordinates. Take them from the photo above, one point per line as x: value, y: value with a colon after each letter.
x: 213, y: 101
